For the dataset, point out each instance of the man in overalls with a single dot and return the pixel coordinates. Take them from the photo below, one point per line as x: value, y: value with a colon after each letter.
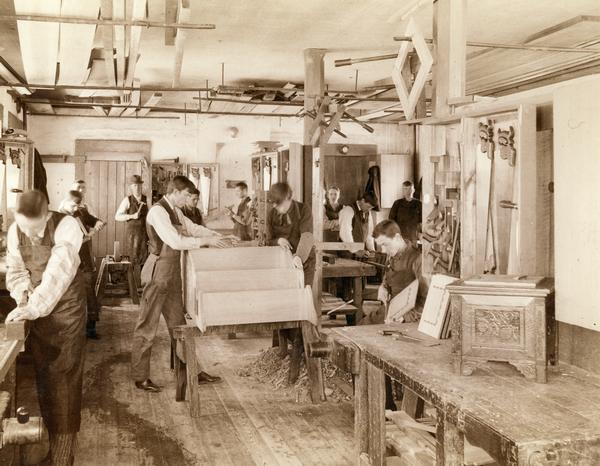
x: 44, y: 279
x: 169, y: 233
x: 133, y: 210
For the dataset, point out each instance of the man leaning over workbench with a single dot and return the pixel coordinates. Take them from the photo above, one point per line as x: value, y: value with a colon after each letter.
x: 169, y: 233
x: 44, y: 278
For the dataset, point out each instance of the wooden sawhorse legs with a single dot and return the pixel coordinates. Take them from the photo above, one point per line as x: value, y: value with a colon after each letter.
x: 186, y: 373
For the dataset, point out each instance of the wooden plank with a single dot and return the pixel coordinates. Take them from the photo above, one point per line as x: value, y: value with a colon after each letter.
x: 153, y: 100
x: 258, y: 279
x: 39, y: 57
x: 314, y: 85
x: 361, y: 409
x: 376, y: 438
x: 76, y: 41
x: 251, y: 258
x: 468, y: 205
x: 450, y: 443
x: 576, y: 138
x: 184, y: 14
x: 449, y: 38
x: 545, y: 205
x: 170, y: 17
x: 120, y: 40
x: 138, y: 13
x: 106, y: 12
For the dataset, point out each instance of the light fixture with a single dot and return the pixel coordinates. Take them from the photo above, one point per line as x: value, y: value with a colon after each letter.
x: 344, y: 149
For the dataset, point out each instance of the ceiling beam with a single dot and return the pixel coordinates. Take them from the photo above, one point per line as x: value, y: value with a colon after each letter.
x: 170, y: 17
x: 138, y: 12
x: 76, y: 41
x: 184, y: 13
x: 107, y: 42
x: 152, y: 102
x: 39, y: 56
x: 103, y: 21
x: 134, y: 100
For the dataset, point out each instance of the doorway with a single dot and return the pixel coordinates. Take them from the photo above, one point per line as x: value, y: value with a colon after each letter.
x: 106, y: 167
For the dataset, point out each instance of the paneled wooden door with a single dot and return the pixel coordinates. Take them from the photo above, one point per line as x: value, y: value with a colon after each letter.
x: 106, y: 170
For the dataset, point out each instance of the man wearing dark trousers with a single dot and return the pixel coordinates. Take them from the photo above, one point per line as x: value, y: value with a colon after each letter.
x: 133, y: 210
x: 169, y: 233
x: 44, y: 279
x: 406, y: 212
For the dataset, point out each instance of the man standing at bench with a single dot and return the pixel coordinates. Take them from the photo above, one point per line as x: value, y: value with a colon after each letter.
x: 169, y: 233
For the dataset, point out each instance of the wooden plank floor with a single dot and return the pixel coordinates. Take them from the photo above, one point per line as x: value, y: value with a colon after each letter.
x: 242, y: 422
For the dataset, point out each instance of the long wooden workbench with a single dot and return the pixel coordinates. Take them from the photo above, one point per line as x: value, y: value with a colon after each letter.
x: 518, y: 422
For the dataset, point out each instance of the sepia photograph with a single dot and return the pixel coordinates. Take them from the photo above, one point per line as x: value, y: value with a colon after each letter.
x: 305, y: 233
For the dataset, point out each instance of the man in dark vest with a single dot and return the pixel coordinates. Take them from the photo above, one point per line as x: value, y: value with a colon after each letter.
x: 356, y: 223
x: 133, y: 210
x: 240, y: 215
x: 90, y: 225
x: 331, y: 224
x: 44, y: 278
x: 191, y: 211
x: 169, y: 233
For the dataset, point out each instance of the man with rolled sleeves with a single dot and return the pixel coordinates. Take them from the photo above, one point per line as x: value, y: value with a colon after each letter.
x: 44, y: 278
x: 133, y: 210
x: 169, y: 233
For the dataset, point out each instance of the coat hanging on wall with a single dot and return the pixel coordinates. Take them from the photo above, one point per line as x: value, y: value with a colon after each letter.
x: 374, y: 185
x: 40, y: 180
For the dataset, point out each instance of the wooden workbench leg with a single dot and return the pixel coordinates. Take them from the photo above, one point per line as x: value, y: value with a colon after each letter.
x: 282, y: 342
x: 412, y: 404
x: 101, y: 281
x: 450, y: 443
x: 296, y: 357
x: 361, y: 409
x: 180, y: 377
x: 376, y: 393
x: 358, y: 299
x: 310, y: 333
x: 192, y: 370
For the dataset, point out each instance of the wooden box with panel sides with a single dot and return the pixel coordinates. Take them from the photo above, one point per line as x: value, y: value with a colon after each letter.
x: 242, y: 289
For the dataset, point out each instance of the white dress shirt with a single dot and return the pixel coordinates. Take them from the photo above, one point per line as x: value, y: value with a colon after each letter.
x: 188, y: 237
x: 121, y: 215
x: 60, y: 269
x: 346, y: 216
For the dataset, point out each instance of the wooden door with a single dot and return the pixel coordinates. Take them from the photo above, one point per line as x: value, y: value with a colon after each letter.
x: 106, y: 173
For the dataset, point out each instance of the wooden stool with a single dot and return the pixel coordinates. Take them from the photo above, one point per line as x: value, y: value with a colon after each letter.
x: 109, y: 265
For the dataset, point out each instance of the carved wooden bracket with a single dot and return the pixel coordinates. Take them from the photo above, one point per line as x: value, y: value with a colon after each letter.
x: 506, y: 145
x: 486, y: 138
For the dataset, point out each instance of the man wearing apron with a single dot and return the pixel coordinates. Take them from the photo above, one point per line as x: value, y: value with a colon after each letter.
x: 44, y: 279
x: 241, y: 217
x: 133, y: 210
x: 169, y: 233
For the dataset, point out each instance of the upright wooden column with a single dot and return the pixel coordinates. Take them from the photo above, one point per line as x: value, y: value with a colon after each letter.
x: 450, y: 50
x: 314, y: 85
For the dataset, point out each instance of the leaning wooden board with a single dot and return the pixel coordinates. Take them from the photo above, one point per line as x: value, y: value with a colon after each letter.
x: 516, y: 421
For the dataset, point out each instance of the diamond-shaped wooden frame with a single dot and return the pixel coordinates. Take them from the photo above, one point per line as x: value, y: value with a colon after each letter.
x: 409, y: 99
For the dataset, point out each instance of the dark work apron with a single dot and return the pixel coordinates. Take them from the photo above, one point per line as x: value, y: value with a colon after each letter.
x: 332, y: 214
x: 57, y: 340
x: 360, y: 224
x: 136, y: 230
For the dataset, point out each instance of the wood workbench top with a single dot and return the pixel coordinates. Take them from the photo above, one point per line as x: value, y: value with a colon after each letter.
x: 565, y: 411
x: 9, y: 349
x: 348, y: 268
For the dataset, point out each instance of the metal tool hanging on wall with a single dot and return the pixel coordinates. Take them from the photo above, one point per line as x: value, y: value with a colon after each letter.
x: 486, y: 136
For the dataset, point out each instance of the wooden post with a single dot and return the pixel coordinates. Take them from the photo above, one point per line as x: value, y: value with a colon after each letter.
x: 314, y: 85
x: 450, y: 51
x: 450, y: 443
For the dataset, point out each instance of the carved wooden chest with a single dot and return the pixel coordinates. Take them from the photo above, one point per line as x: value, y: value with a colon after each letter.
x: 504, y: 318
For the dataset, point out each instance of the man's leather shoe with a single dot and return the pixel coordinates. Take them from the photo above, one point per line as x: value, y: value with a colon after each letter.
x: 148, y: 385
x: 203, y: 378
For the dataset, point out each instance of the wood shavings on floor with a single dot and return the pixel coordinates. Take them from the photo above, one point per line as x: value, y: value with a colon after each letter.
x: 271, y: 369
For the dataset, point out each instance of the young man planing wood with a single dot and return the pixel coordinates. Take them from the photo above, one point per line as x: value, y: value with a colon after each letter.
x: 169, y: 233
x: 44, y: 278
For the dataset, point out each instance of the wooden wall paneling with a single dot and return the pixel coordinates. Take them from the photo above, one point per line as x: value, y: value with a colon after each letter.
x: 545, y: 201
x: 395, y: 169
x: 576, y: 168
x: 111, y: 200
x: 102, y: 207
x: 121, y: 190
x: 295, y: 170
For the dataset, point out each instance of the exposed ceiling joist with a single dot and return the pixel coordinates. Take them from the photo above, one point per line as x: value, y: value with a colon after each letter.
x: 138, y: 12
x: 76, y: 41
x: 170, y: 17
x: 55, y: 18
x: 134, y: 100
x: 107, y: 42
x: 152, y: 101
x: 39, y: 57
x: 184, y: 14
x: 120, y: 40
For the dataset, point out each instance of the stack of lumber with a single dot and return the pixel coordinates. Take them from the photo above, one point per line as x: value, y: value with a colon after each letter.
x: 249, y: 285
x: 333, y: 305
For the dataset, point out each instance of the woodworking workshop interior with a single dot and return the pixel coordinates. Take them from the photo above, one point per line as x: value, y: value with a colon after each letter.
x: 317, y: 232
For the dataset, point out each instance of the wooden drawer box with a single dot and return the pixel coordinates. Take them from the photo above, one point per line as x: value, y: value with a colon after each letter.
x: 504, y: 318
